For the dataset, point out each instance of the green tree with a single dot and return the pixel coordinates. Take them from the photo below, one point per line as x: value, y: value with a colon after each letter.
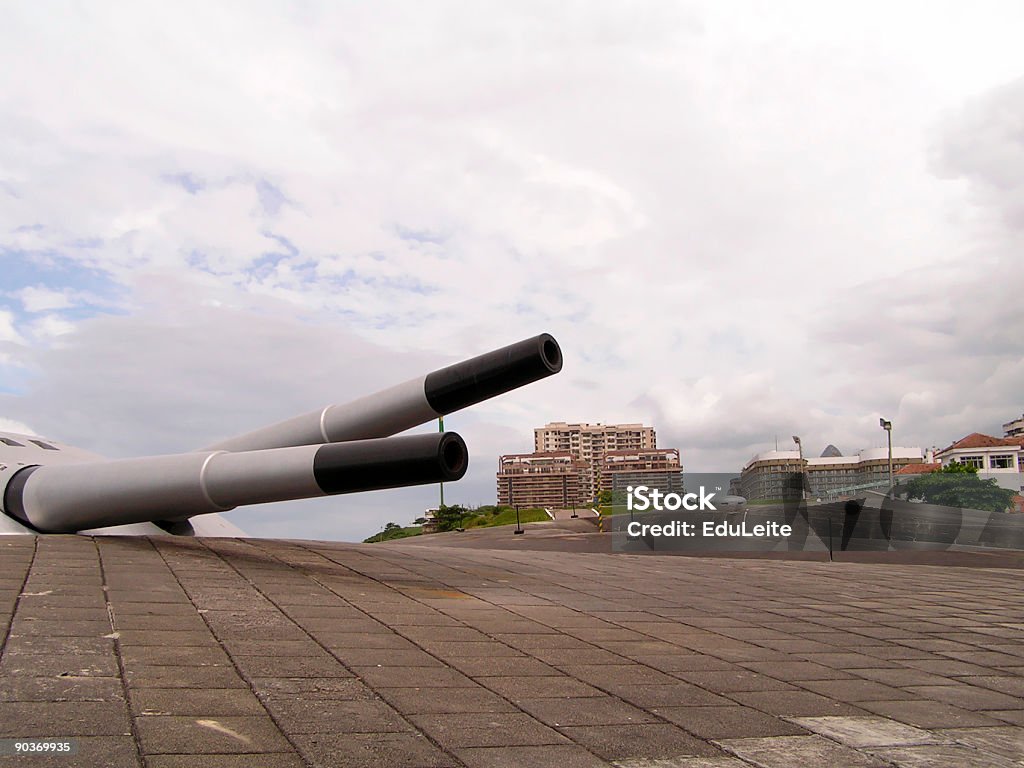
x: 449, y: 517
x: 958, y: 485
x: 605, y: 497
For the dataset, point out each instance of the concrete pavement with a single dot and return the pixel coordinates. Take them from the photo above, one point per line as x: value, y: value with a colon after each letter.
x: 171, y: 652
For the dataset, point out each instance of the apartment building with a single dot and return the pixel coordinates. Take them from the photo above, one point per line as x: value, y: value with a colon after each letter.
x: 571, y: 460
x: 590, y: 442
x: 542, y: 479
x: 655, y: 467
x: 829, y: 476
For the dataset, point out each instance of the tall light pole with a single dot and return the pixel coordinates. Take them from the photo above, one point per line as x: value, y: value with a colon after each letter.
x: 800, y: 448
x: 887, y: 426
x: 519, y: 527
x: 440, y: 428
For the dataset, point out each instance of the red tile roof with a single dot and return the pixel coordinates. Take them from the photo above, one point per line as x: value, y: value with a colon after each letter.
x: 918, y: 469
x: 978, y: 440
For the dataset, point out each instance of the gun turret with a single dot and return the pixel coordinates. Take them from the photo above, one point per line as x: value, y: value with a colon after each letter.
x: 70, y: 497
x: 48, y: 487
x: 414, y: 402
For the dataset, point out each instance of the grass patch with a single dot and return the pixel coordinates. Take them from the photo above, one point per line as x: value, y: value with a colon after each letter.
x: 394, y: 532
x: 488, y: 516
x: 614, y: 509
x: 505, y: 516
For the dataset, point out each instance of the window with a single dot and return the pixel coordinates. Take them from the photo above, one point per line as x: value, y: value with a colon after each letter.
x: 44, y: 446
x: 978, y: 462
x: 12, y: 443
x: 1001, y: 461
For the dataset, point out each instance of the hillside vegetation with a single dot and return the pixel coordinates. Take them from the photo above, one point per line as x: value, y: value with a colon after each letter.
x: 450, y: 518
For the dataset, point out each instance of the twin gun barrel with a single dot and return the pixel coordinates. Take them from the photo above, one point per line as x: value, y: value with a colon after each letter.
x: 338, y: 449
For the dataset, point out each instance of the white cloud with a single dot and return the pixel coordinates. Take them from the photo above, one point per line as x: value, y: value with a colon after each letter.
x: 50, y: 327
x: 38, y: 298
x: 739, y: 221
x: 9, y: 425
x: 983, y: 143
x: 8, y: 333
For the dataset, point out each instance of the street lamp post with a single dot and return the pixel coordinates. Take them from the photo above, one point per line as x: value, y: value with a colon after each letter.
x: 887, y: 426
x: 440, y: 428
x: 565, y: 496
x: 519, y: 527
x: 800, y: 448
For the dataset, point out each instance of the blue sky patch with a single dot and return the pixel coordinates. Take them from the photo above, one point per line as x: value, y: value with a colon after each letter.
x: 188, y: 182
x: 420, y: 235
x: 272, y: 199
x: 19, y: 269
x: 283, y: 241
x: 14, y: 380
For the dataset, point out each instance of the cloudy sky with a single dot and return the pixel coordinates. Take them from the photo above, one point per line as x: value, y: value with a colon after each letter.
x: 741, y: 220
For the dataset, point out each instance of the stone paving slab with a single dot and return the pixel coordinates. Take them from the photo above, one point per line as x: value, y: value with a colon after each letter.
x: 176, y: 734
x: 860, y: 732
x: 727, y: 722
x: 552, y: 756
x: 1008, y: 742
x: 497, y: 730
x: 938, y: 756
x: 681, y: 762
x: 198, y: 702
x: 651, y: 740
x: 50, y: 719
x: 93, y: 751
x: 167, y: 652
x: 791, y: 751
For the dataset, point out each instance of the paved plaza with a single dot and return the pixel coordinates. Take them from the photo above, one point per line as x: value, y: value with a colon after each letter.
x: 156, y: 651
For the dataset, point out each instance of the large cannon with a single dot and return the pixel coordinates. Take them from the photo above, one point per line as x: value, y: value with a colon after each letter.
x: 63, y: 498
x: 414, y: 402
x: 46, y: 487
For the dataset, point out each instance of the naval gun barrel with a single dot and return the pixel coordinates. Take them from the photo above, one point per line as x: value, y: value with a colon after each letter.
x: 414, y: 402
x: 65, y: 498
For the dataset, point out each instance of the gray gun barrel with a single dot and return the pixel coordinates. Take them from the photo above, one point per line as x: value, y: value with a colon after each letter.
x: 414, y: 402
x: 64, y: 498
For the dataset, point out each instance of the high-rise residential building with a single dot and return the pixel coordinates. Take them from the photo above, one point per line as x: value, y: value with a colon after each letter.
x: 1014, y: 428
x: 590, y: 442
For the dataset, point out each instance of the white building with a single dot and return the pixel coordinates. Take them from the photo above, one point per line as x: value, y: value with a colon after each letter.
x: 765, y: 475
x: 999, y: 458
x: 1014, y: 428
